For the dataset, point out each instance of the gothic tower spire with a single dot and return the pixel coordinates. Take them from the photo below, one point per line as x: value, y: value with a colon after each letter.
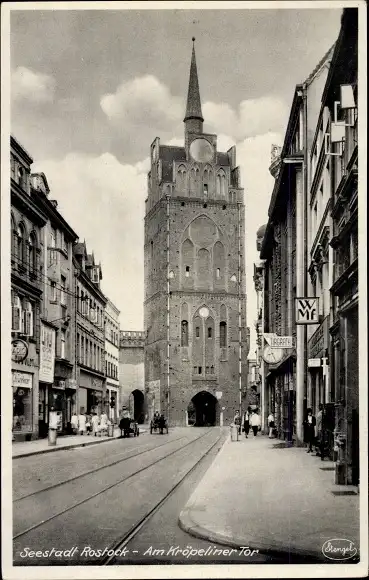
x: 193, y: 119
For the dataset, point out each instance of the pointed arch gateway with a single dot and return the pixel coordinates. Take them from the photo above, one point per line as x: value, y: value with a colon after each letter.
x: 203, y: 410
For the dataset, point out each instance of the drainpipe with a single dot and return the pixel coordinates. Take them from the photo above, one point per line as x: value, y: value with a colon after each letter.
x: 168, y: 311
x: 239, y: 311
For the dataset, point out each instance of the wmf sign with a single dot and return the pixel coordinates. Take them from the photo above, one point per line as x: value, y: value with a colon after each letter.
x: 307, y: 310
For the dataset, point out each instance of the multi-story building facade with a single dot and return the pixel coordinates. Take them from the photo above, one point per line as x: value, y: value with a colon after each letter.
x: 27, y: 221
x: 284, y: 249
x: 195, y: 301
x: 57, y: 375
x: 132, y: 376
x: 339, y: 121
x: 112, y: 330
x: 253, y: 383
x: 259, y: 328
x: 90, y: 334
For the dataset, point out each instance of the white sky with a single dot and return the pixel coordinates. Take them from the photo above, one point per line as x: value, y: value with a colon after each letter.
x: 91, y: 90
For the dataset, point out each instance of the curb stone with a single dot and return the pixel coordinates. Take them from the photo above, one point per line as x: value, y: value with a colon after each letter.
x: 66, y: 447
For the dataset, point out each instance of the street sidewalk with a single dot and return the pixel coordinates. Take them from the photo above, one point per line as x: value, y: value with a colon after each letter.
x: 261, y: 494
x: 38, y: 446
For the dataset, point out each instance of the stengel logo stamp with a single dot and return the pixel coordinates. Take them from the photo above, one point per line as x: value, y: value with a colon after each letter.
x: 339, y: 549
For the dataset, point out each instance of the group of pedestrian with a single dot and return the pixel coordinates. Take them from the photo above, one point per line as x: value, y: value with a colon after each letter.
x: 250, y: 419
x: 89, y: 423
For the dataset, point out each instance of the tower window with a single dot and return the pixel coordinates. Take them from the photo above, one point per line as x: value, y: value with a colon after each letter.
x: 205, y: 190
x: 210, y: 332
x: 223, y: 334
x: 187, y: 271
x: 184, y: 333
x: 197, y: 332
x: 218, y: 272
x: 200, y: 370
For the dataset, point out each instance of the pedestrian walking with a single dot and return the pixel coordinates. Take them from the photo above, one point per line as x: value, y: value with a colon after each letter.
x: 236, y: 426
x: 255, y: 422
x: 271, y: 424
x: 88, y: 424
x: 81, y: 423
x: 246, y: 422
x: 74, y: 423
x: 309, y: 424
x: 319, y: 432
x: 104, y: 423
x: 95, y: 421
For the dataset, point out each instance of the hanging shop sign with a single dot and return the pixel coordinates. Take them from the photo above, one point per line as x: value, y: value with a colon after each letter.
x: 282, y: 342
x: 19, y: 350
x: 307, y: 310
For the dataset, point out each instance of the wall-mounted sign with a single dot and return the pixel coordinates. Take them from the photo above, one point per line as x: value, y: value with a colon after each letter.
x: 218, y: 394
x: 314, y: 362
x: 19, y: 350
x: 307, y: 310
x: 21, y: 380
x: 47, y: 354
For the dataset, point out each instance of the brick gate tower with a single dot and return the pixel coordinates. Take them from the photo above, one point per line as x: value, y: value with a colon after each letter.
x: 195, y: 301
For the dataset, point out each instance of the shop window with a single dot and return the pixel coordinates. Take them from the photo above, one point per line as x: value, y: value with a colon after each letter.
x: 22, y: 404
x: 184, y: 333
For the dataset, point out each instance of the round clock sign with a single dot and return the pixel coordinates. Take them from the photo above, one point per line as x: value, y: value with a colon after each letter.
x: 19, y: 350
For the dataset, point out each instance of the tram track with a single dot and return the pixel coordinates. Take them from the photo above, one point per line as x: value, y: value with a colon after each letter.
x: 97, y: 469
x: 122, y: 542
x: 108, y: 487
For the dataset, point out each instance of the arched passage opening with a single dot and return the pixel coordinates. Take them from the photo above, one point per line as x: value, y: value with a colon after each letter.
x: 138, y: 406
x: 202, y: 410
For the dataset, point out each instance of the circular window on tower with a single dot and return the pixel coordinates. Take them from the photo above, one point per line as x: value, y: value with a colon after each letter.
x: 204, y: 312
x: 201, y: 150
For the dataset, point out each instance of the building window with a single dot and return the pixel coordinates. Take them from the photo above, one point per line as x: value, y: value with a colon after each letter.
x: 184, y: 333
x: 218, y: 273
x: 20, y: 245
x: 223, y: 334
x: 197, y: 332
x: 199, y: 370
x: 32, y: 255
x: 210, y: 332
x: 82, y: 350
x: 62, y: 291
x: 187, y: 273
x: 53, y: 291
x: 16, y: 313
x: 62, y: 344
x: 28, y: 319
x: 78, y: 348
